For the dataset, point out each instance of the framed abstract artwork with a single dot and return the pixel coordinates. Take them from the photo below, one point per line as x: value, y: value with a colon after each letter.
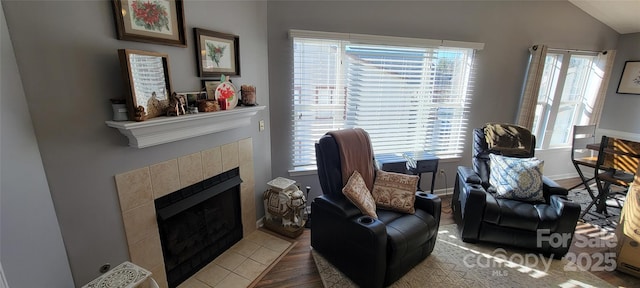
x: 630, y: 79
x: 150, y: 21
x: 217, y: 53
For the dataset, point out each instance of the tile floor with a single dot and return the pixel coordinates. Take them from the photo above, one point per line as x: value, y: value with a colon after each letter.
x: 241, y: 264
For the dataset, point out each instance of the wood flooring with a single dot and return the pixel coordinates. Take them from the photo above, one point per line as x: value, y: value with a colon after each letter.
x: 297, y: 268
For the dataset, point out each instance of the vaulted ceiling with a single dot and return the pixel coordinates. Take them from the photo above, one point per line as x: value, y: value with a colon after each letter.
x: 621, y: 15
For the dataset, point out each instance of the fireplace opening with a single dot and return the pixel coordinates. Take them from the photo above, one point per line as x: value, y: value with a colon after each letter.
x: 198, y: 223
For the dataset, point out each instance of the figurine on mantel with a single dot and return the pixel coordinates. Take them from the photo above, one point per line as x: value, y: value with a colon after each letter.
x: 140, y: 114
x: 176, y: 105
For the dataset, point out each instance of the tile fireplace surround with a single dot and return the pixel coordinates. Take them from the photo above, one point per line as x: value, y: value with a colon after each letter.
x: 137, y: 190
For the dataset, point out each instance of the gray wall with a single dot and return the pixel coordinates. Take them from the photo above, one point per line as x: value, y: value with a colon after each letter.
x: 620, y: 111
x: 66, y: 53
x: 30, y: 239
x: 506, y: 28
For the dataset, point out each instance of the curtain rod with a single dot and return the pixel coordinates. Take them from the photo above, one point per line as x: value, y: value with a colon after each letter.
x: 604, y: 52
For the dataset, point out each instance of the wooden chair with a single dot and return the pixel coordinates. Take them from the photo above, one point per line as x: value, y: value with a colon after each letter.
x: 582, y: 136
x: 618, y: 161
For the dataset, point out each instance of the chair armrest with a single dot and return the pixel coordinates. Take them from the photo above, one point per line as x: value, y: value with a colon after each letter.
x: 429, y: 203
x: 467, y: 175
x: 568, y: 212
x: 339, y: 206
x: 354, y: 243
x: 550, y: 187
x: 473, y: 202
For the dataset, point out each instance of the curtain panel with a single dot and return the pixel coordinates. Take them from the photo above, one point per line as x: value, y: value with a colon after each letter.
x: 531, y: 88
x: 605, y: 62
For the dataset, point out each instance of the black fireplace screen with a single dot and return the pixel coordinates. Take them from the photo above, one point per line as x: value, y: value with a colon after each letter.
x: 198, y: 223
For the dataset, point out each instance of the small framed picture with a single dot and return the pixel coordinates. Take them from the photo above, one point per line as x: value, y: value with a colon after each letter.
x: 158, y: 22
x: 217, y: 53
x: 210, y: 87
x: 630, y: 79
x: 193, y: 97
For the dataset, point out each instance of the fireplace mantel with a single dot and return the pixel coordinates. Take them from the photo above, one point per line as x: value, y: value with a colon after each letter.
x: 162, y: 130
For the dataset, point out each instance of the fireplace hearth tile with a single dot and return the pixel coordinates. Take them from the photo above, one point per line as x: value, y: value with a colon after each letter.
x: 140, y: 222
x: 269, y: 241
x: 250, y: 269
x: 160, y: 276
x: 212, y: 162
x: 234, y: 281
x: 190, y: 169
x: 230, y: 260
x: 193, y: 283
x: 265, y: 255
x: 245, y: 248
x: 164, y: 178
x: 245, y: 151
x: 229, y: 156
x: 212, y: 274
x: 134, y: 188
x: 147, y: 253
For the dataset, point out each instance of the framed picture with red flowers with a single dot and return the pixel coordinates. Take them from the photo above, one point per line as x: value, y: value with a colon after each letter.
x: 217, y: 53
x: 150, y: 21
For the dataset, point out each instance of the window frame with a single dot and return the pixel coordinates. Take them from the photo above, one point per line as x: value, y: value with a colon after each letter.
x: 357, y: 39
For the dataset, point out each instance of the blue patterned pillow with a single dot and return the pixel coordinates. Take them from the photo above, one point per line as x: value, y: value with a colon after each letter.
x: 517, y: 178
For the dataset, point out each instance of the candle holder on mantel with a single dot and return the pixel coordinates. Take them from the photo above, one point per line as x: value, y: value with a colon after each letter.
x: 248, y: 93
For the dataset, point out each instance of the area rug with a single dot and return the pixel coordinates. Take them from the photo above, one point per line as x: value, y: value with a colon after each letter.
x: 605, y: 221
x: 454, y: 263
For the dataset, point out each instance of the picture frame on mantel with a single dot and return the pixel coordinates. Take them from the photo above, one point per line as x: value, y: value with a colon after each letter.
x: 140, y: 72
x: 630, y: 79
x: 217, y: 53
x: 157, y: 22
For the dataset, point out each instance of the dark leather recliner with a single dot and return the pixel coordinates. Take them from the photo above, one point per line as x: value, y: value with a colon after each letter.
x: 371, y: 252
x: 483, y: 217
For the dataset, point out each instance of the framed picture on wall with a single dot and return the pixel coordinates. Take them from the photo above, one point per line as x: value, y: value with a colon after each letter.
x: 630, y: 79
x: 158, y: 21
x: 217, y: 53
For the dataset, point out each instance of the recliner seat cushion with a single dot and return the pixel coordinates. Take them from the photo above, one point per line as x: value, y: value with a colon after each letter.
x: 520, y: 215
x: 408, y: 232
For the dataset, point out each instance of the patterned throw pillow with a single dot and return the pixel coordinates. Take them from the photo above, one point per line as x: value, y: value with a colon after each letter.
x: 395, y: 191
x: 357, y: 192
x: 517, y: 178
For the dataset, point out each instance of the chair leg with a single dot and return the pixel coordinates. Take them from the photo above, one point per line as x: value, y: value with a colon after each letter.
x: 584, y: 182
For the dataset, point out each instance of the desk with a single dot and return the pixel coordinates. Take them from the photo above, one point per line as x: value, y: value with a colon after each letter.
x: 414, y: 163
x: 423, y: 162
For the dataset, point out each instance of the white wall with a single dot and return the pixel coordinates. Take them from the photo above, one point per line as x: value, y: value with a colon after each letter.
x: 620, y: 111
x: 31, y: 249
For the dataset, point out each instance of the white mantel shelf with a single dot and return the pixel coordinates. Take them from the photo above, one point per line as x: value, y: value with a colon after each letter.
x: 162, y: 130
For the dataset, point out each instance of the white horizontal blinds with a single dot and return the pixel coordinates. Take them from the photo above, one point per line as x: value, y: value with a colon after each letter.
x: 318, y: 95
x: 408, y: 98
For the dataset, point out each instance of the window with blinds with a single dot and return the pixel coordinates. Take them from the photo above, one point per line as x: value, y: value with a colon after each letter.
x: 408, y: 98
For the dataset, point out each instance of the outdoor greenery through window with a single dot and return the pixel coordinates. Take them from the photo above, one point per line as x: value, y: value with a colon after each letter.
x: 568, y: 90
x: 407, y: 98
